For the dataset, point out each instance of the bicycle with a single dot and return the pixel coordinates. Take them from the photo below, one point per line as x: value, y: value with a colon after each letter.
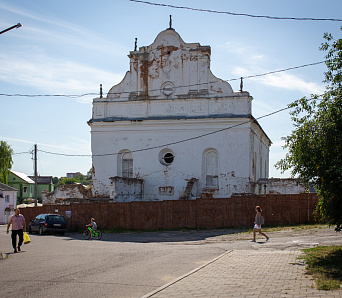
x: 87, y: 233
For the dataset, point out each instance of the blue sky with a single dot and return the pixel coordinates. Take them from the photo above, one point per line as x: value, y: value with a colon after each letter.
x: 71, y: 47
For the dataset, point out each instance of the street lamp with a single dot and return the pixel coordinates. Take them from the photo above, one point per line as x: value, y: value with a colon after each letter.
x: 10, y: 28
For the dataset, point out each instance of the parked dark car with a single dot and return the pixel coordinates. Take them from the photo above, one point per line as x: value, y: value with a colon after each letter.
x: 53, y: 223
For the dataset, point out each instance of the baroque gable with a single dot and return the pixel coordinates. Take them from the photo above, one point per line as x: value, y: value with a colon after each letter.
x: 169, y: 68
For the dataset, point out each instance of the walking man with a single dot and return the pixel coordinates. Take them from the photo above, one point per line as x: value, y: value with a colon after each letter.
x: 18, y: 228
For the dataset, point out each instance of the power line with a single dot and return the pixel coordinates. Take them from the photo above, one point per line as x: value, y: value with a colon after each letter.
x: 19, y: 153
x: 151, y: 90
x: 25, y: 152
x: 235, y: 14
x: 62, y: 154
x: 49, y: 95
x: 229, y: 80
x: 172, y: 143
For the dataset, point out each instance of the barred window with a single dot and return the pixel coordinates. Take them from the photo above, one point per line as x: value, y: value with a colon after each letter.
x: 127, y: 165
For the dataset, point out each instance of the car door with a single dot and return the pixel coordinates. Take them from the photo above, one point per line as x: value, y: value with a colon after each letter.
x: 35, y: 223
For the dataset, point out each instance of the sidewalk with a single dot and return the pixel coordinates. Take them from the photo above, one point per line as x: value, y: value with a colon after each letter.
x: 260, y: 271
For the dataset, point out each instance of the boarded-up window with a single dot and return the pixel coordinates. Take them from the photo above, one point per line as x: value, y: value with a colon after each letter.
x: 127, y: 165
x: 212, y: 169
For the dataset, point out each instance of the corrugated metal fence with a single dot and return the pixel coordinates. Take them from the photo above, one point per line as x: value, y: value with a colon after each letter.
x: 201, y: 213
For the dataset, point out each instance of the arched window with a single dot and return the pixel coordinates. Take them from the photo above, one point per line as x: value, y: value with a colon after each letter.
x: 211, y: 168
x: 125, y: 163
x: 261, y: 174
x: 255, y: 166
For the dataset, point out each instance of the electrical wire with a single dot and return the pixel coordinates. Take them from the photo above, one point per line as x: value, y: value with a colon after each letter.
x: 229, y: 80
x: 49, y: 95
x: 236, y: 14
x: 26, y: 152
x: 62, y: 154
x: 172, y: 143
x: 151, y: 90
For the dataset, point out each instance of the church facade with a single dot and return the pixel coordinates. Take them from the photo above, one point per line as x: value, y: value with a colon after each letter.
x: 172, y: 130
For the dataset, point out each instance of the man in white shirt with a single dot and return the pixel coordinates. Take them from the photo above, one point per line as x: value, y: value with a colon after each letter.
x: 18, y: 228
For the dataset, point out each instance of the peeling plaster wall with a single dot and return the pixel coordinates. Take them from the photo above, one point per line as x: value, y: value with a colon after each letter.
x: 232, y: 147
x: 280, y: 186
x: 68, y: 191
x: 170, y: 95
x: 126, y: 189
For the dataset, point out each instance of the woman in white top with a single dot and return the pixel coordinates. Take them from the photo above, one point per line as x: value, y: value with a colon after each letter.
x: 257, y: 224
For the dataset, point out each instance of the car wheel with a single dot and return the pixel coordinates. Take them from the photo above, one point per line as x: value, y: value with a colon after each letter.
x: 41, y: 231
x: 30, y: 230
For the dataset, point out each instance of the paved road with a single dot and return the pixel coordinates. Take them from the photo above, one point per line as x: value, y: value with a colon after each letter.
x: 170, y: 264
x: 120, y: 265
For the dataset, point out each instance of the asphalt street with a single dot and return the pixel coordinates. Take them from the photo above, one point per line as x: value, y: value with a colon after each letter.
x: 119, y: 265
x: 136, y: 264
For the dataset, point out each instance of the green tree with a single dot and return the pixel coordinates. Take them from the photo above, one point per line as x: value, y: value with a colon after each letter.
x: 315, y: 144
x: 64, y: 180
x: 6, y: 161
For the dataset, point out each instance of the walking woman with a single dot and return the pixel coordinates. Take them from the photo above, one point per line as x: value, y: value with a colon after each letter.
x: 257, y: 224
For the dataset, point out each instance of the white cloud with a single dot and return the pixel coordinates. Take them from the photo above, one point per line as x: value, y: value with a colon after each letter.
x: 60, y: 32
x: 291, y: 82
x: 247, y: 55
x: 55, y: 76
x: 282, y: 80
x: 31, y: 142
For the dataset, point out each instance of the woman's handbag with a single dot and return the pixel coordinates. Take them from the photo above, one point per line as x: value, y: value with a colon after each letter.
x: 27, y: 239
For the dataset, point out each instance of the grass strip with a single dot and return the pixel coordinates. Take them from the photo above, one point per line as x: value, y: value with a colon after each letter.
x: 324, y: 263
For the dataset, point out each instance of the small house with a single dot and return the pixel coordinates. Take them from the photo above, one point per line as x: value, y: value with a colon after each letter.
x: 8, y: 202
x: 22, y: 183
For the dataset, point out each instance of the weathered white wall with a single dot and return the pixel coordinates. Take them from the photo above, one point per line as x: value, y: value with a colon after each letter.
x: 168, y: 96
x: 233, y: 149
x: 280, y: 186
x: 67, y: 191
x: 126, y: 189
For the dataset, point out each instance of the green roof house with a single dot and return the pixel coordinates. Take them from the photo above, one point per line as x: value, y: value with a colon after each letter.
x: 22, y: 183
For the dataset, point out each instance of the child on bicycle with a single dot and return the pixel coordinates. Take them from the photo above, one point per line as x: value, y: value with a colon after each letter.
x: 93, y: 226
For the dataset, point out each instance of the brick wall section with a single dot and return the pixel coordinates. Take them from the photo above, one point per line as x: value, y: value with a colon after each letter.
x: 201, y: 213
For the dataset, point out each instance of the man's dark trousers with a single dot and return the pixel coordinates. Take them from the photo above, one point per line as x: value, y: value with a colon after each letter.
x: 14, y: 238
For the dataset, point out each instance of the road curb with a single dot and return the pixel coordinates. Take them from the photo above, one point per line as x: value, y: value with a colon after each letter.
x: 184, y: 276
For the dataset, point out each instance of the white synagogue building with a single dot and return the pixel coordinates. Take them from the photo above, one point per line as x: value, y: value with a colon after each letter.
x: 172, y: 130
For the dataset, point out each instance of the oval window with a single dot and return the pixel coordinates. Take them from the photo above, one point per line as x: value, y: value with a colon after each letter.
x: 166, y: 157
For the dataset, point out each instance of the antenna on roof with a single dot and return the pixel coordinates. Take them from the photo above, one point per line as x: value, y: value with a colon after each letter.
x: 136, y: 44
x: 241, y: 84
x: 170, y: 22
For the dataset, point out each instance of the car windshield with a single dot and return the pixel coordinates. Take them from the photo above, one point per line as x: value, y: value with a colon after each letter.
x: 56, y: 219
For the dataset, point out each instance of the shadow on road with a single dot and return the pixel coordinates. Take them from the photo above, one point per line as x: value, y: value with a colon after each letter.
x: 155, y: 237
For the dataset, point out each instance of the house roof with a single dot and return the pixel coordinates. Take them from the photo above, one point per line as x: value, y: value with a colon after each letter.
x: 22, y: 176
x: 43, y: 179
x: 5, y: 187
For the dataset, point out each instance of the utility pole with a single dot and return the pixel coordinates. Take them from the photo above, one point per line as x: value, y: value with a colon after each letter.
x: 35, y: 177
x: 10, y: 28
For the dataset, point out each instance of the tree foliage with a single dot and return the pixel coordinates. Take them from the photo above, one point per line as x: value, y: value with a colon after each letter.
x: 6, y: 161
x: 315, y: 145
x: 80, y: 178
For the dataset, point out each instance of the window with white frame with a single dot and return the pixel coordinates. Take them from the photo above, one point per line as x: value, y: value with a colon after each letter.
x: 7, y: 198
x: 211, y: 168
